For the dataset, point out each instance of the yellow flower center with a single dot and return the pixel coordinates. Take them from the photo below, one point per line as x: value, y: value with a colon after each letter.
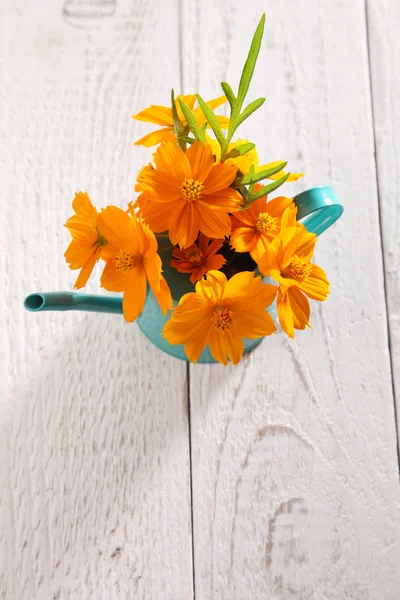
x: 193, y: 255
x: 222, y: 318
x: 191, y: 190
x: 266, y: 223
x: 126, y: 261
x: 298, y: 269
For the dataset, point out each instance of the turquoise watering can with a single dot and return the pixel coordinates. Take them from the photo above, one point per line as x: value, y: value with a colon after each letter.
x: 318, y: 208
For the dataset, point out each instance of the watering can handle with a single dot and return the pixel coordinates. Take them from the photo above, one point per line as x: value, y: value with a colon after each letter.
x: 319, y: 207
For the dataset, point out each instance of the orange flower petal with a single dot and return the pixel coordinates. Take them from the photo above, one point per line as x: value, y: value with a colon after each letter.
x: 258, y: 206
x: 261, y: 248
x: 196, y: 344
x: 254, y: 323
x: 152, y: 266
x: 214, y: 262
x: 300, y: 308
x: 150, y: 242
x: 157, y: 137
x: 82, y: 204
x: 134, y: 294
x: 223, y: 122
x: 184, y: 225
x: 213, y: 222
x: 157, y: 214
x: 234, y: 347
x: 109, y: 252
x: 285, y: 314
x: 160, y: 186
x: 182, y: 266
x: 241, y: 218
x: 244, y: 285
x: 267, y: 262
x: 189, y: 324
x: 316, y: 286
x: 215, y: 102
x: 163, y: 296
x: 228, y: 199
x: 217, y: 345
x: 292, y: 176
x: 243, y: 239
x: 209, y: 250
x: 77, y: 255
x: 191, y: 307
x: 119, y: 229
x: 239, y: 285
x: 220, y: 177
x: 289, y: 218
x: 112, y: 279
x: 160, y: 115
x: 277, y: 206
x: 86, y: 272
x: 306, y: 247
x: 189, y: 100
x: 211, y: 290
x: 201, y: 160
x: 291, y: 239
x: 171, y: 159
x: 195, y: 274
x: 82, y: 229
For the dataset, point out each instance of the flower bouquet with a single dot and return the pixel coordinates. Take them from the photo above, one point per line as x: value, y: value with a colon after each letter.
x: 205, y: 258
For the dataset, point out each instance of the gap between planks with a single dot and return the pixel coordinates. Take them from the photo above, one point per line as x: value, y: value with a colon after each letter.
x: 379, y: 196
x: 181, y: 83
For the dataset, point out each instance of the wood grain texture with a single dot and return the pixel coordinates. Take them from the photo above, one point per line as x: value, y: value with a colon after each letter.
x: 295, y: 484
x: 95, y: 500
x: 384, y: 46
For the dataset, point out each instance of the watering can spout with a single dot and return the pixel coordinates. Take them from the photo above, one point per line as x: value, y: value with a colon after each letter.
x: 70, y: 301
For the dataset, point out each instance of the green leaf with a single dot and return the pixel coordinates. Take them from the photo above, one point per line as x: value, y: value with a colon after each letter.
x: 228, y: 93
x: 254, y: 178
x: 197, y: 131
x: 213, y: 122
x: 175, y: 118
x: 187, y: 139
x: 240, y: 150
x: 244, y: 191
x: 267, y: 189
x: 252, y: 107
x: 251, y: 186
x: 250, y: 63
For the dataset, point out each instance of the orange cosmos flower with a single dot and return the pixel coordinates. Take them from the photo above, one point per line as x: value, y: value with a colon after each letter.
x: 221, y: 313
x: 131, y: 262
x: 162, y: 115
x: 288, y: 262
x: 189, y: 193
x: 256, y: 227
x: 87, y: 244
x: 199, y: 258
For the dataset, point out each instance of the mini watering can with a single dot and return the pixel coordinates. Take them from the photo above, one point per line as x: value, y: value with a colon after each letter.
x: 318, y: 208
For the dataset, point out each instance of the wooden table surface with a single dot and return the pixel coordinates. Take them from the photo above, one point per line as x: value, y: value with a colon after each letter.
x: 125, y: 474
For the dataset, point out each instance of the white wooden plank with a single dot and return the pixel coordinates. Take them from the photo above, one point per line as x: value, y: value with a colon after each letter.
x: 295, y: 482
x: 95, y: 468
x: 384, y: 46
